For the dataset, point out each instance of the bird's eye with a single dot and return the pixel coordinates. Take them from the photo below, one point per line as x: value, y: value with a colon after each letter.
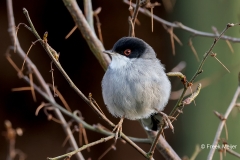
x: 127, y: 52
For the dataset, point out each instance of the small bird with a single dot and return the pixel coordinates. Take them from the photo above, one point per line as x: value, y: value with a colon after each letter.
x: 135, y: 85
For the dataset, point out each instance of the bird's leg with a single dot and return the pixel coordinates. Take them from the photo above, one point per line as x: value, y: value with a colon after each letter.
x: 118, y: 129
x: 167, y: 121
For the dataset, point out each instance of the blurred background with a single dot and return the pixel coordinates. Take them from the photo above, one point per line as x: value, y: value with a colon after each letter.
x: 197, y: 125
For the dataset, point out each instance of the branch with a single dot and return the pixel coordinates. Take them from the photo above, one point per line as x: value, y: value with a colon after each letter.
x: 21, y: 53
x: 86, y: 125
x: 93, y: 42
x: 223, y: 121
x: 78, y: 119
x: 51, y: 52
x: 179, y: 25
x: 132, y: 20
x: 163, y: 147
x: 89, y: 13
x: 69, y: 155
x: 199, y: 70
x: 233, y: 152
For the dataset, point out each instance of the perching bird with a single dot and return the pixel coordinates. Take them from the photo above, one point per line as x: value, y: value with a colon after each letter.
x: 135, y: 85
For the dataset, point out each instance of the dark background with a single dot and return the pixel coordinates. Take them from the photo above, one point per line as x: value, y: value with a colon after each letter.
x: 43, y: 138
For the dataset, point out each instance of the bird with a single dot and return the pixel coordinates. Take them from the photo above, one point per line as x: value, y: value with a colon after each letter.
x: 135, y: 85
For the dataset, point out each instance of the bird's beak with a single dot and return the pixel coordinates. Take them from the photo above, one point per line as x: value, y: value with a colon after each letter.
x: 109, y: 52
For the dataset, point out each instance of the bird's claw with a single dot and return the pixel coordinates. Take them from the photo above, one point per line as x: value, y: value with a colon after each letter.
x: 167, y: 121
x: 118, y: 129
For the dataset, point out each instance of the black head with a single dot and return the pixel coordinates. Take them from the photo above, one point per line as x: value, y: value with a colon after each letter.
x: 132, y: 47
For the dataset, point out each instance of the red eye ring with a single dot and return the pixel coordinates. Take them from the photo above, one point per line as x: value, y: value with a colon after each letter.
x: 127, y: 52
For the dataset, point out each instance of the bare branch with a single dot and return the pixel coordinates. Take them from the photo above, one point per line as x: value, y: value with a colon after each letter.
x: 163, y: 147
x: 69, y: 155
x: 90, y: 37
x: 88, y: 12
x: 181, y: 26
x: 222, y: 122
x: 39, y: 77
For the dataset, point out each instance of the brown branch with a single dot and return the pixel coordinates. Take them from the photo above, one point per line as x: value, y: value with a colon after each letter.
x: 133, y: 19
x: 222, y: 122
x: 64, y: 102
x: 90, y: 37
x: 48, y: 49
x: 181, y: 26
x: 70, y: 154
x: 35, y: 71
x: 192, y: 48
x: 210, y: 50
x: 81, y: 22
x: 71, y: 32
x: 88, y: 12
x: 95, y: 13
x: 227, y: 41
x: 199, y: 70
x: 163, y: 147
x: 233, y: 152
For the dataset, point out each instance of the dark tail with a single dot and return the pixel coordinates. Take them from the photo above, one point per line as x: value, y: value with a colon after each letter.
x: 152, y: 122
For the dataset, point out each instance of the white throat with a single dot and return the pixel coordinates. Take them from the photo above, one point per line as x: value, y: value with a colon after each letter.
x: 119, y: 61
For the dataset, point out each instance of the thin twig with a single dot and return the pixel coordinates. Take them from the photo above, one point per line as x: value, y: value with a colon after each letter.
x: 21, y: 53
x: 193, y: 49
x: 133, y: 19
x: 233, y: 152
x: 78, y: 119
x: 61, y: 98
x: 227, y: 41
x: 69, y: 155
x: 181, y: 26
x: 163, y: 147
x: 196, y: 152
x: 199, y: 70
x: 21, y: 89
x: 71, y: 32
x: 93, y: 42
x: 95, y: 13
x: 58, y: 65
x: 215, y: 56
x: 52, y: 70
x: 56, y: 62
x: 39, y: 108
x: 222, y: 122
x: 33, y: 43
x: 107, y: 151
x: 210, y: 50
x: 32, y: 89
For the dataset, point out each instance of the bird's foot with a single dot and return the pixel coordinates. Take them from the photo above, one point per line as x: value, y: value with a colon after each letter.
x: 167, y: 121
x: 118, y: 129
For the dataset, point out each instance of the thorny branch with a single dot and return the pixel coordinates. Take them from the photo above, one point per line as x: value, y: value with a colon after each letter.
x: 97, y: 48
x: 132, y: 20
x: 180, y: 101
x: 199, y: 70
x: 223, y: 121
x: 94, y: 43
x: 182, y: 26
x: 10, y: 134
x: 195, y: 33
x: 38, y: 75
x: 69, y: 155
x: 51, y: 53
x: 78, y: 119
